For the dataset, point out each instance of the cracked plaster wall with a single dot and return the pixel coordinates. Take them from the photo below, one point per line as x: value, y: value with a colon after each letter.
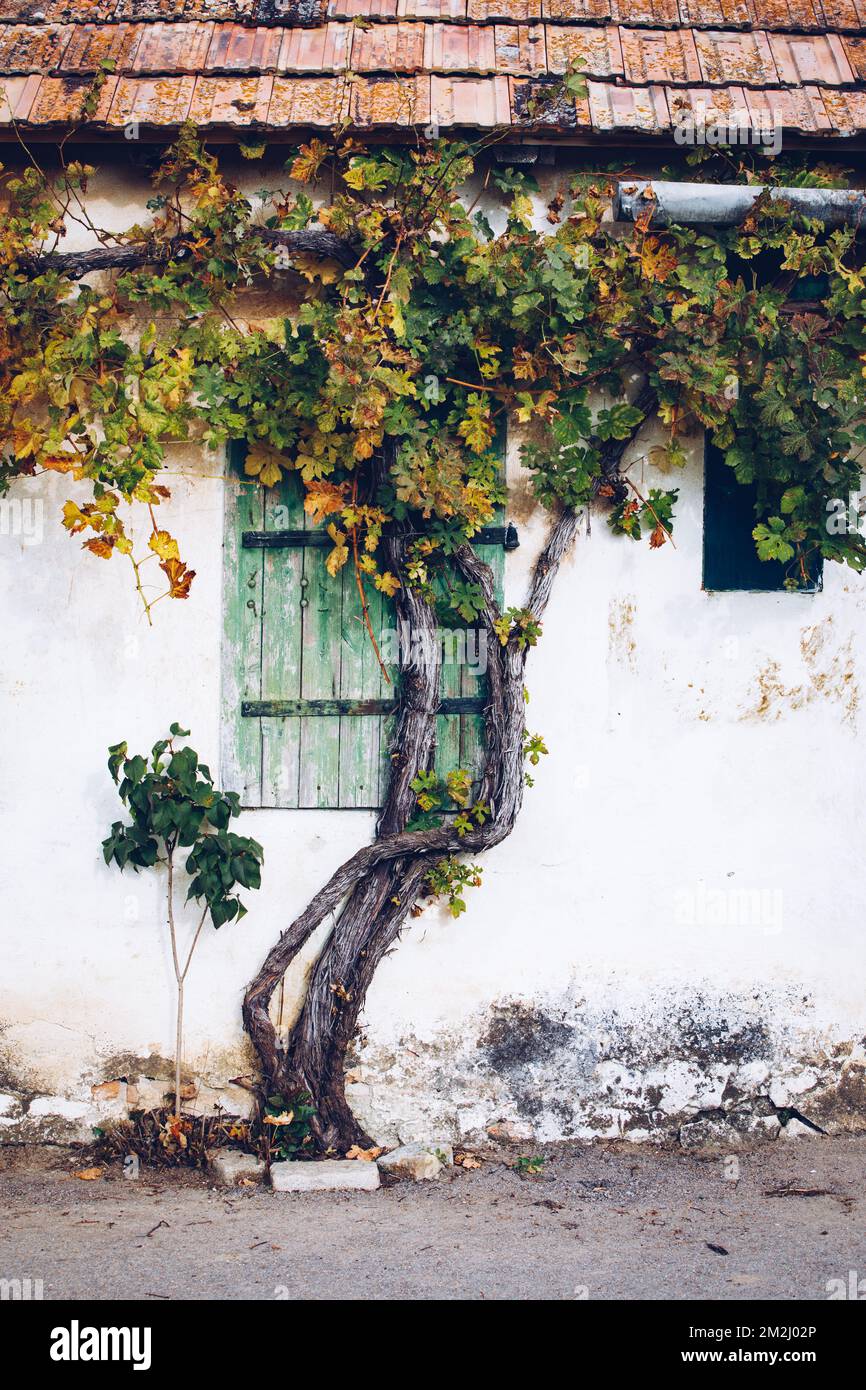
x: 675, y: 928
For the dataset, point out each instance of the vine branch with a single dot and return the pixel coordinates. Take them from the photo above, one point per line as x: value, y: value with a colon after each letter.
x: 75, y: 264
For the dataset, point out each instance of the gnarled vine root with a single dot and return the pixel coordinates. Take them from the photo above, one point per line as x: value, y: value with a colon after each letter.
x: 373, y: 891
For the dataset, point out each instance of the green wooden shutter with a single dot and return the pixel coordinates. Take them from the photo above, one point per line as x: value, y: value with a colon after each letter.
x: 306, y: 711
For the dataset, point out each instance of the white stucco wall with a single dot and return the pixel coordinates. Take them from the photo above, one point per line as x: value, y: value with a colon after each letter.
x: 609, y: 976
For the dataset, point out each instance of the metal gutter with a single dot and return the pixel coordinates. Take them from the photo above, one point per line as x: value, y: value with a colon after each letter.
x: 724, y: 205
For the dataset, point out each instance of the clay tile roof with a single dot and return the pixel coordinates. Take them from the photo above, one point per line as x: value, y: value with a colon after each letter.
x: 654, y: 68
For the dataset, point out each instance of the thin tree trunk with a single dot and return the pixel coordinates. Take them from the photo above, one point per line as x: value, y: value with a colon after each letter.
x: 180, y: 975
x: 178, y: 1048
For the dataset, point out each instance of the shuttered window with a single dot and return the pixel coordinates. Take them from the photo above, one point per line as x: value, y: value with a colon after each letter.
x: 730, y: 559
x: 306, y: 710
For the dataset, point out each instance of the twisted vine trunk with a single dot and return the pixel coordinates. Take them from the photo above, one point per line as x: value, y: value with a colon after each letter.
x: 373, y: 891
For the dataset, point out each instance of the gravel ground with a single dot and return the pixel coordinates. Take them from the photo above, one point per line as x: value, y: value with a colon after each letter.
x: 604, y: 1221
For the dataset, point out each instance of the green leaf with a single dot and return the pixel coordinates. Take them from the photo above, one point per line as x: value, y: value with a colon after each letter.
x: 771, y: 542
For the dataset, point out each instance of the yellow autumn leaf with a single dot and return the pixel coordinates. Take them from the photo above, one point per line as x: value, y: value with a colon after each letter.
x: 322, y: 498
x: 363, y: 446
x: 521, y: 209
x: 365, y: 1155
x: 314, y: 269
x: 308, y: 161
x: 74, y: 519
x: 178, y: 576
x: 265, y: 466
x: 477, y: 427
x: 88, y: 1174
x: 340, y: 553
x: 62, y: 463
x: 387, y: 583
x: 273, y: 328
x: 98, y: 545
x: 164, y: 545
x: 657, y: 259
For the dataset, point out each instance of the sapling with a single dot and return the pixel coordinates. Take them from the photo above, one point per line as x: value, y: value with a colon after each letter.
x: 175, y: 807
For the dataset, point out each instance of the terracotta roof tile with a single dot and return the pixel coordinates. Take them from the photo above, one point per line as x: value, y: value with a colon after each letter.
x: 32, y: 49
x: 600, y: 49
x: 645, y: 11
x: 173, y: 48
x: 471, y: 101
x: 855, y: 50
x: 460, y: 48
x: 61, y: 99
x: 660, y: 55
x: 234, y: 48
x: 847, y: 14
x: 575, y: 9
x: 716, y: 12
x: 388, y: 47
x: 432, y: 9
x: 811, y: 58
x: 542, y: 104
x: 307, y: 101
x: 801, y: 108
x: 60, y: 11
x: 362, y: 9
x: 231, y: 100
x: 92, y: 44
x: 17, y: 95
x: 156, y: 101
x: 703, y: 106
x: 520, y: 49
x: 440, y: 63
x: 400, y: 101
x: 727, y: 57
x: 238, y: 11
x: 846, y: 111
x: 788, y: 14
x: 628, y: 108
x: 151, y: 10
x: 516, y: 11
x: 756, y: 114
x: 326, y: 49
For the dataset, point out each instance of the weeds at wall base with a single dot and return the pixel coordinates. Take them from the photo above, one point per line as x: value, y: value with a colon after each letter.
x: 161, y: 1139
